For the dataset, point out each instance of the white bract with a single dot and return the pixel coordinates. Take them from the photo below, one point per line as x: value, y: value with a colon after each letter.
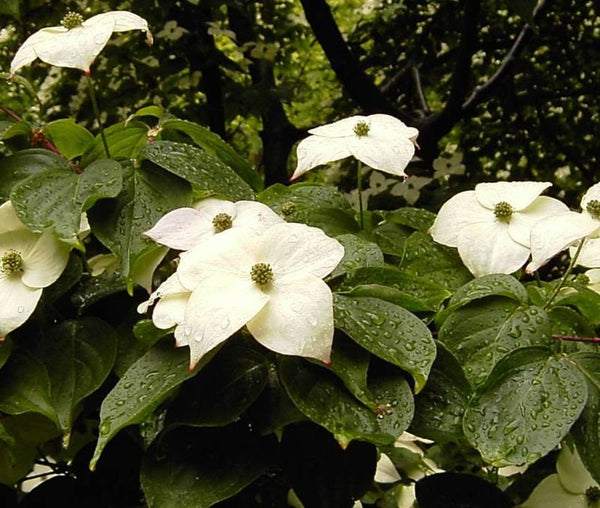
x: 29, y: 262
x: 185, y: 228
x: 380, y: 141
x: 571, y: 487
x: 491, y: 225
x: 553, y: 235
x: 270, y: 282
x: 76, y: 43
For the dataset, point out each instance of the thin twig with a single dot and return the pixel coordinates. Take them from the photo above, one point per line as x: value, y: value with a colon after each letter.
x: 576, y: 339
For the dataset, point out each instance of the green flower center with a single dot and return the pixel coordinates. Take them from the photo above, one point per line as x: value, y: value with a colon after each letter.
x: 582, y: 279
x: 593, y: 208
x: 71, y: 20
x: 261, y: 274
x: 288, y: 208
x: 222, y: 221
x: 12, y: 262
x: 361, y: 129
x: 503, y: 211
x: 592, y: 495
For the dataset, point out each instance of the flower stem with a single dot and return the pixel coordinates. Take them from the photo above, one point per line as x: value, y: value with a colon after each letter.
x: 359, y: 188
x: 566, y: 274
x: 97, y: 111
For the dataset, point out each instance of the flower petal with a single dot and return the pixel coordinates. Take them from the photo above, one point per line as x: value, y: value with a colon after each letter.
x: 298, y: 320
x: 255, y: 215
x: 341, y: 128
x: 170, y: 310
x: 213, y: 206
x: 593, y: 193
x: 316, y: 150
x: 487, y: 248
x: 590, y: 253
x: 572, y: 474
x: 518, y: 194
x: 233, y: 251
x: 456, y: 213
x: 390, y: 128
x: 386, y: 472
x: 44, y: 260
x: 170, y: 286
x: 216, y: 309
x: 522, y: 222
x: 550, y: 492
x: 182, y: 229
x: 389, y: 155
x: 8, y: 219
x: 297, y: 248
x: 75, y: 48
x: 18, y: 303
x: 554, y: 234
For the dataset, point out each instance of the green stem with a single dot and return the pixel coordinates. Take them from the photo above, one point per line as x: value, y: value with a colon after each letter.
x: 359, y: 188
x: 564, y: 277
x: 97, y: 112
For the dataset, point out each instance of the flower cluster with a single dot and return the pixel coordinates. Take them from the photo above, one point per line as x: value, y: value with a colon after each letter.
x: 29, y: 262
x: 77, y: 42
x: 380, y: 141
x: 243, y: 265
x: 492, y: 225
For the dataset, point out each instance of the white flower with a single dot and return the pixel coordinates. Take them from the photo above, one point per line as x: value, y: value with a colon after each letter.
x: 491, y: 225
x: 552, y: 235
x: 184, y: 228
x: 172, y: 300
x: 571, y: 487
x: 380, y: 141
x: 77, y: 42
x: 28, y: 262
x: 270, y: 282
x: 594, y: 279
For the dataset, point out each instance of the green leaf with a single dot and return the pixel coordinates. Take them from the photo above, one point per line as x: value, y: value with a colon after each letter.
x: 357, y: 252
x: 92, y: 289
x: 321, y: 396
x: 6, y: 347
x: 526, y: 407
x: 485, y: 331
x: 568, y: 322
x: 143, y: 387
x: 586, y: 431
x: 389, y: 332
x: 124, y: 142
x: 147, y: 333
x: 350, y: 363
x: 200, y: 467
x: 25, y: 387
x: 22, y: 438
x: 315, y: 205
x: 439, y: 408
x: 10, y: 8
x: 221, y: 391
x: 584, y: 299
x: 26, y: 163
x: 78, y: 356
x: 70, y: 139
x: 437, y: 263
x: 54, y: 200
x: 391, y: 237
x: 9, y: 130
x: 215, y: 146
x: 414, y: 218
x: 204, y: 171
x: 482, y: 287
x: 405, y: 286
x: 148, y: 194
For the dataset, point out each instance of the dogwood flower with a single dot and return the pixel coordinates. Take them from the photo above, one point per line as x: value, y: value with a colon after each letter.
x: 29, y: 262
x: 380, y: 141
x: 76, y: 43
x: 491, y: 225
x: 184, y: 228
x: 572, y: 486
x: 270, y: 282
x: 554, y: 234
